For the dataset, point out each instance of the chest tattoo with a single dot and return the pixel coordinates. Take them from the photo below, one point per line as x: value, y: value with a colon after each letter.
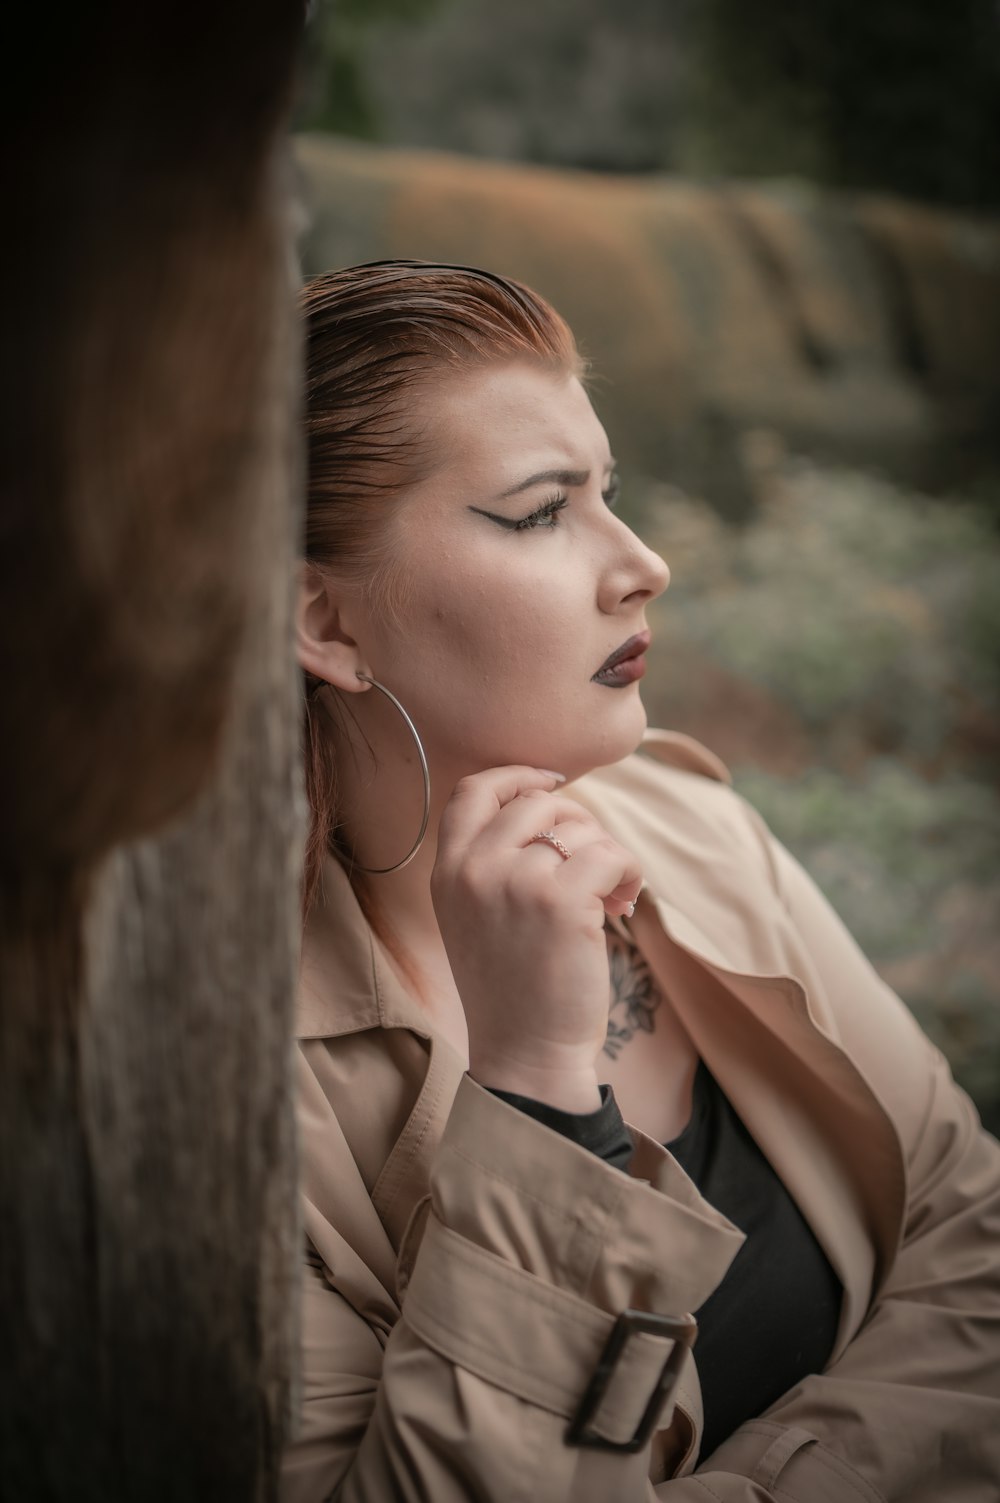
x: 634, y: 995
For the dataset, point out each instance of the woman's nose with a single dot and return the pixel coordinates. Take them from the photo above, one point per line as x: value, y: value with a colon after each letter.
x: 637, y: 576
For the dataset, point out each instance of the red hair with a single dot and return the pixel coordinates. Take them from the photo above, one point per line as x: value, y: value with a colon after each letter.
x: 373, y: 335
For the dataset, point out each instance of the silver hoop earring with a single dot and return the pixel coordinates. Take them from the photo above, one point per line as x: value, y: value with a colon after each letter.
x: 381, y: 871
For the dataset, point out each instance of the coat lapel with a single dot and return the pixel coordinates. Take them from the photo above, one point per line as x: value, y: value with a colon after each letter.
x: 798, y: 1094
x: 725, y: 950
x: 347, y: 987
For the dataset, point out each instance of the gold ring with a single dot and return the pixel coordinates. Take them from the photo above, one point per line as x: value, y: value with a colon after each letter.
x: 549, y: 837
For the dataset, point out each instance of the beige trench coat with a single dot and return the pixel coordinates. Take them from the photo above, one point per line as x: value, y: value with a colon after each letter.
x: 465, y: 1264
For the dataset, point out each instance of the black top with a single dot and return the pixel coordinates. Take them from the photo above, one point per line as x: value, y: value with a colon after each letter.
x: 773, y: 1319
x: 602, y: 1132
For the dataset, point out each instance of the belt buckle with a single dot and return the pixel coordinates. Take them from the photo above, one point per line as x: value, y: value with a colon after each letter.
x: 681, y: 1329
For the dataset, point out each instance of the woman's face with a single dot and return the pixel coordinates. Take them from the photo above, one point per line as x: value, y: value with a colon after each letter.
x: 521, y: 583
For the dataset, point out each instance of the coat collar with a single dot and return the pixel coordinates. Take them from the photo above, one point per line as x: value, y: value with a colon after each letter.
x: 802, y: 1100
x: 346, y: 983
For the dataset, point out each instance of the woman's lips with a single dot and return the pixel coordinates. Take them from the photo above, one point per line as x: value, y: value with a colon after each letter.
x: 626, y: 664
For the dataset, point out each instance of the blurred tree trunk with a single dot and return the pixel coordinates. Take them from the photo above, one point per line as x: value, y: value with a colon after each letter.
x: 148, y: 869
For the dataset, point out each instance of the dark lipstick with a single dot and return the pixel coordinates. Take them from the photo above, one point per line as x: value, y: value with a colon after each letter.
x: 626, y: 664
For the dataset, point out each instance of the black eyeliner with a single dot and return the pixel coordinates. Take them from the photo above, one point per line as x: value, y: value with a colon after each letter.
x: 524, y: 524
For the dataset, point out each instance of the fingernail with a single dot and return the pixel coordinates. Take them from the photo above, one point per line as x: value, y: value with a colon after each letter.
x: 547, y: 773
x: 630, y: 910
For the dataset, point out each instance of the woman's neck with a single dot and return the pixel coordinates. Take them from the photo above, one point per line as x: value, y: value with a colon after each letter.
x: 403, y: 918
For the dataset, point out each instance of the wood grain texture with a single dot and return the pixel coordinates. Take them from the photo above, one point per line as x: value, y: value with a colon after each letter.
x: 152, y: 817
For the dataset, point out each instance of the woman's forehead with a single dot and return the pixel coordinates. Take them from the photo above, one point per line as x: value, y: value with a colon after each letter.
x: 511, y: 415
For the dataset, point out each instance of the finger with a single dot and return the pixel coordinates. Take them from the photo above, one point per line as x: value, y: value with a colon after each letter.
x: 478, y: 799
x: 563, y: 840
x: 533, y: 811
x: 605, y: 872
x: 616, y: 907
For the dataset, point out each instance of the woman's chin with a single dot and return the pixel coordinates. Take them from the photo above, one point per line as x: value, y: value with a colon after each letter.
x: 595, y: 745
x: 602, y: 750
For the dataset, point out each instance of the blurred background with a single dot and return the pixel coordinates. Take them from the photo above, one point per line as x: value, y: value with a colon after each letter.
x: 774, y: 229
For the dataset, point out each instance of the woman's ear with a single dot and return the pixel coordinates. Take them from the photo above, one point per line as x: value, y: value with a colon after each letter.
x: 324, y: 644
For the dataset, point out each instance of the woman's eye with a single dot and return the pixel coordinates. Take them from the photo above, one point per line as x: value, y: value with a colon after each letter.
x: 611, y: 492
x: 545, y: 516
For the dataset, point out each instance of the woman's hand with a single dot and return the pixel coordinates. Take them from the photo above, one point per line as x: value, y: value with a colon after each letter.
x: 524, y: 931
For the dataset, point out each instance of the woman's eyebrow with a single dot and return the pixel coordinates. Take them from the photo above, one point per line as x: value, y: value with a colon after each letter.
x: 550, y: 477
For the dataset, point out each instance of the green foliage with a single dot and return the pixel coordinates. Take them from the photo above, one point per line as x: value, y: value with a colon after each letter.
x: 882, y: 95
x: 860, y: 622
x: 336, y: 90
x: 871, y: 612
x: 886, y: 94
x: 859, y: 92
x: 582, y: 83
x: 888, y: 847
x: 913, y: 868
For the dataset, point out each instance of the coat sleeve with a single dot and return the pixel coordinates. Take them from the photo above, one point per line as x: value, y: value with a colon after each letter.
x: 911, y: 1409
x: 512, y: 1275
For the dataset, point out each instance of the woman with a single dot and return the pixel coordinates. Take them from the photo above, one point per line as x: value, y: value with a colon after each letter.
x: 478, y: 1220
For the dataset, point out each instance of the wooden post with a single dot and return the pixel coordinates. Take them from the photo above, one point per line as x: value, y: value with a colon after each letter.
x: 149, y: 761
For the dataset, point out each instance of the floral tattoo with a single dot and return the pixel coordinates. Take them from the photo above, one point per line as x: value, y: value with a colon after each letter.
x: 634, y: 994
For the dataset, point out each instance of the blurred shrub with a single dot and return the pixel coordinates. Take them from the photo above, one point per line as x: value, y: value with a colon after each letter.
x: 871, y: 612
x: 337, y: 84
x: 886, y: 94
x: 913, y: 868
x: 579, y: 83
x: 884, y: 844
x: 841, y: 652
